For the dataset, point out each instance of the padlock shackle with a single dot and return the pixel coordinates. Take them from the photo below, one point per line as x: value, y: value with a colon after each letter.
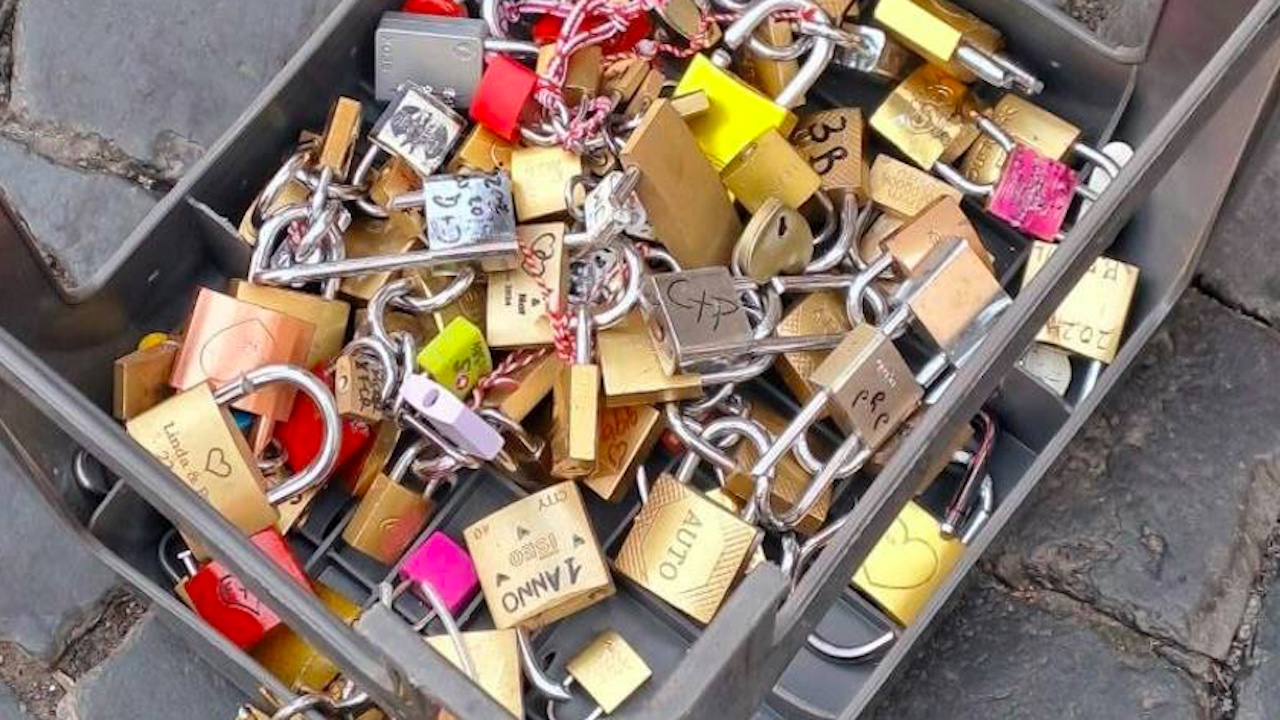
x: 533, y: 671
x: 852, y: 654
x: 326, y: 459
x: 381, y: 352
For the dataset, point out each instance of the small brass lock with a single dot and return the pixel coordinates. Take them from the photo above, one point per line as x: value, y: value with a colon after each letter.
x: 495, y: 655
x: 921, y: 117
x: 390, y: 515
x: 609, y: 670
x: 338, y: 144
x: 1090, y: 321
x: 538, y: 559
x: 692, y: 316
x: 482, y: 150
x: 518, y: 300
x: 904, y: 191
x: 943, y: 218
x: 873, y: 389
x: 538, y: 180
x: 820, y: 313
x: 632, y: 369
x: 770, y: 167
x: 778, y: 240
x: 575, y: 408
x: 627, y: 435
x: 833, y: 143
x: 458, y: 357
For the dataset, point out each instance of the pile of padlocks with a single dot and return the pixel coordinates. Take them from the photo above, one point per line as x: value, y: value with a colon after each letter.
x: 636, y: 259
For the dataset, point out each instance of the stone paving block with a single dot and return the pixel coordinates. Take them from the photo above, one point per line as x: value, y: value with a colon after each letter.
x: 1239, y: 261
x: 1159, y: 512
x: 162, y: 78
x: 1258, y: 690
x: 9, y: 708
x: 78, y: 218
x: 50, y: 584
x: 152, y: 674
x: 1003, y: 657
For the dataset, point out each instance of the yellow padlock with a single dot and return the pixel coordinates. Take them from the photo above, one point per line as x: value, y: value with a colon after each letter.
x: 738, y: 113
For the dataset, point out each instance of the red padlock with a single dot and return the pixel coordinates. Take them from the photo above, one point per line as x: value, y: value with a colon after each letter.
x: 547, y: 28
x: 451, y: 8
x: 300, y: 435
x: 501, y: 95
x: 227, y: 605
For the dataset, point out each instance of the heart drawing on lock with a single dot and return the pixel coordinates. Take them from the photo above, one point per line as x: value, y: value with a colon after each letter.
x: 900, y: 561
x: 216, y: 463
x: 236, y: 349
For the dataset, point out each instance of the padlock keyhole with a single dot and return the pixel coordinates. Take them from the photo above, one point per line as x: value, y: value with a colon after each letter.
x: 782, y: 226
x: 430, y: 397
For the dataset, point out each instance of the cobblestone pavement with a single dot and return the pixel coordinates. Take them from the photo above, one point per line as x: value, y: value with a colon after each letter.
x: 1134, y: 584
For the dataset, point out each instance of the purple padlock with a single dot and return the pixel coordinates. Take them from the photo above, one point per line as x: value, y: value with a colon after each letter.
x: 1033, y: 194
x: 446, y: 567
x: 450, y: 416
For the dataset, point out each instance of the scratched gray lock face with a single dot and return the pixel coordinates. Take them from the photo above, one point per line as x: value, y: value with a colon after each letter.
x: 444, y: 54
x: 418, y: 128
x: 696, y: 319
x: 470, y: 210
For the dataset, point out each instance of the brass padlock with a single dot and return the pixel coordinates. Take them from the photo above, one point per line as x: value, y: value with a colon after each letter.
x: 646, y: 94
x: 1028, y: 124
x: 627, y: 435
x: 398, y: 233
x: 820, y: 313
x: 777, y: 240
x: 539, y: 176
x: 921, y: 117
x: 582, y: 77
x: 196, y: 438
x: 771, y: 76
x: 473, y: 305
x: 357, y: 389
x: 328, y: 317
x: 495, y: 655
x: 680, y: 190
x: 904, y: 191
x: 738, y: 114
x: 770, y: 167
x: 943, y: 218
x: 623, y: 78
x: 954, y: 297
x: 338, y: 144
x: 530, y: 386
x: 685, y: 549
x: 872, y: 388
x: 538, y: 559
x: 575, y: 408
x: 518, y: 300
x: 142, y: 380
x: 690, y: 19
x: 833, y: 143
x: 358, y: 477
x: 632, y: 370
x: 609, y: 670
x: 955, y: 39
x: 298, y: 665
x: 790, y: 478
x: 395, y: 178
x: 1090, y: 321
x: 482, y: 150
x: 390, y: 515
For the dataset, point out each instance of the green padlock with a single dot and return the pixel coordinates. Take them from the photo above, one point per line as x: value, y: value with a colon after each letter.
x: 458, y: 357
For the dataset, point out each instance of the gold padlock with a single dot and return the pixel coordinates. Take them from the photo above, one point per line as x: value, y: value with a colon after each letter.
x: 398, y: 233
x: 937, y: 30
x: 519, y: 299
x: 921, y: 117
x: 196, y: 438
x: 872, y: 388
x: 142, y: 380
x: 329, y: 317
x: 395, y: 178
x: 338, y: 144
x: 771, y: 76
x: 770, y: 167
x: 943, y: 218
x: 538, y: 179
x: 904, y: 191
x: 298, y: 665
x: 632, y: 371
x: 495, y: 654
x: 482, y: 150
x: 627, y: 435
x: 738, y: 114
x: 820, y: 313
x: 833, y: 143
x: 293, y: 193
x: 955, y: 288
x: 357, y: 390
x: 538, y: 559
x: 1090, y: 321
x: 582, y: 77
x: 358, y: 477
x: 908, y: 564
x: 575, y: 409
x: 790, y: 479
x: 646, y: 94
x: 686, y: 203
x: 609, y: 669
x: 623, y: 78
x: 1029, y: 125
x: 685, y: 549
x: 530, y: 386
x: 390, y: 515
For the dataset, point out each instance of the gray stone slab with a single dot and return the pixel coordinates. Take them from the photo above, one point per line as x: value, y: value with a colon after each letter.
x: 1258, y: 687
x: 1006, y: 657
x: 50, y: 583
x: 1239, y: 262
x: 152, y: 674
x: 77, y: 218
x: 161, y: 78
x: 1159, y: 512
x: 9, y: 707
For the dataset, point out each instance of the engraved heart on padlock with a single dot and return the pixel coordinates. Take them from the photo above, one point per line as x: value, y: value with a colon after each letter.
x: 236, y: 349
x: 216, y: 463
x: 900, y: 561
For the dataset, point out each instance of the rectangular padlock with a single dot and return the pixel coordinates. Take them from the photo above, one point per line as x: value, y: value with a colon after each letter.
x: 387, y: 519
x: 910, y: 243
x: 1034, y: 193
x: 293, y: 660
x: 873, y: 388
x: 627, y: 435
x: 680, y: 190
x: 575, y: 407
x: 501, y: 98
x: 770, y: 167
x: 833, y: 142
x: 685, y: 549
x: 482, y: 150
x: 693, y: 317
x: 738, y: 112
x: 465, y: 210
x: 539, y: 176
x: 632, y: 370
x: 328, y: 317
x: 937, y: 30
x: 904, y: 191
x: 495, y: 654
x: 820, y: 313
x: 442, y: 53
x: 921, y: 117
x: 582, y: 77
x: 1091, y: 320
x: 530, y: 386
x: 954, y: 297
x: 538, y: 559
x: 518, y: 300
x: 418, y: 128
x: 142, y: 380
x: 357, y: 389
x: 227, y: 338
x: 338, y: 143
x: 1026, y: 123
x: 908, y: 564
x: 609, y: 670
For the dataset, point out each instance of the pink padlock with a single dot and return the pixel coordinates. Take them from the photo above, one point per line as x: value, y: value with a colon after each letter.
x: 1033, y: 194
x: 446, y: 567
x: 450, y: 416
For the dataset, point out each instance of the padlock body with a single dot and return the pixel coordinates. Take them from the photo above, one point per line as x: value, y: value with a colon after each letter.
x: 908, y: 564
x: 387, y: 520
x: 1034, y: 193
x: 694, y: 317
x: 1026, y: 123
x: 873, y: 389
x: 921, y: 117
x: 446, y: 567
x: 770, y: 167
x: 504, y: 89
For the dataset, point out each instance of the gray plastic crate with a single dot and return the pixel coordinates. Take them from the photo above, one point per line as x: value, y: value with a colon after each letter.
x: 54, y: 355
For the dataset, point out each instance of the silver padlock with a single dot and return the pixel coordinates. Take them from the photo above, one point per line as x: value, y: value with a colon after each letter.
x: 418, y: 128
